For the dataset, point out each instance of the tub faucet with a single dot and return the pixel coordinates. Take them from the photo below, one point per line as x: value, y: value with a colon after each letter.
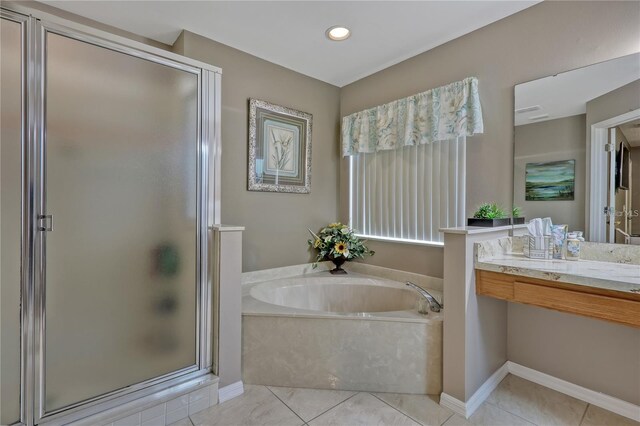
x: 433, y: 303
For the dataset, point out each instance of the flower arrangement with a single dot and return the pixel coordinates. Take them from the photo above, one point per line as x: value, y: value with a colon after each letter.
x: 338, y: 243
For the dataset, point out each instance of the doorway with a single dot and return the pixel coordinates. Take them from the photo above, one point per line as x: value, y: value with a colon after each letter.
x: 608, y: 155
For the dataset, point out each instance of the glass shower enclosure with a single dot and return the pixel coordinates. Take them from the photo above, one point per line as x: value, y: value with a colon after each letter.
x: 108, y: 173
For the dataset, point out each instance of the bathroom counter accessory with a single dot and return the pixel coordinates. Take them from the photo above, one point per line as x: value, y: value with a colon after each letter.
x: 596, y: 289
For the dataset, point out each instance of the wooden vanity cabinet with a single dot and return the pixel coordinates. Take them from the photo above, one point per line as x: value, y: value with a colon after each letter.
x: 610, y: 305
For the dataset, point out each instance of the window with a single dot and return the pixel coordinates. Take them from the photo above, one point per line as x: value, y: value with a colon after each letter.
x: 408, y: 193
x: 407, y: 163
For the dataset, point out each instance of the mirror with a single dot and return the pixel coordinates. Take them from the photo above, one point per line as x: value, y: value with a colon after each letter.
x: 577, y: 150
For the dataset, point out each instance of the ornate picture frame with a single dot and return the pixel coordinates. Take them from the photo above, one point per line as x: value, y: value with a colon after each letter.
x: 279, y: 148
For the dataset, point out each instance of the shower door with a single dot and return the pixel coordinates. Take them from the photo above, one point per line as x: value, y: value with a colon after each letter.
x: 118, y: 194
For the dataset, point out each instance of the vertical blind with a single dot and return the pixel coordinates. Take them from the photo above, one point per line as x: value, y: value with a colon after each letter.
x: 409, y: 193
x: 407, y: 162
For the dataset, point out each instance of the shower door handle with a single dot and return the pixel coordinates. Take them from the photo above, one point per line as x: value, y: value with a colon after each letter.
x: 45, y: 223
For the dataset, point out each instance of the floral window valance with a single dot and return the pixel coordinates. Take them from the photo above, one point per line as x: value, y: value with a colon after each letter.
x: 440, y: 114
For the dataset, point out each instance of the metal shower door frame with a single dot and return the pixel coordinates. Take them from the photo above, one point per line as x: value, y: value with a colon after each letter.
x: 35, y: 27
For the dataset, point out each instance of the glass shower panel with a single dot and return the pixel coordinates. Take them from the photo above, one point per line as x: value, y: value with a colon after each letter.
x: 10, y: 217
x: 121, y: 185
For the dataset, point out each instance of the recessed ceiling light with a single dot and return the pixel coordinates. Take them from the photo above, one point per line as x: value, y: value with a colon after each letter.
x: 338, y: 33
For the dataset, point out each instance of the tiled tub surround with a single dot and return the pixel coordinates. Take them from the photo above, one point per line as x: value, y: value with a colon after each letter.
x: 173, y: 410
x: 352, y: 332
x: 617, y: 267
x: 160, y: 410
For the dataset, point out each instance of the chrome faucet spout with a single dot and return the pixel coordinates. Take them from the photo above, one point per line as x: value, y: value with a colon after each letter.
x: 433, y: 303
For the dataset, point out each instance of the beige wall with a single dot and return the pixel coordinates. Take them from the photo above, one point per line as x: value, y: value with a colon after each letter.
x: 552, y: 140
x: 614, y: 103
x: 426, y: 260
x: 276, y: 224
x: 592, y: 353
x: 545, y: 39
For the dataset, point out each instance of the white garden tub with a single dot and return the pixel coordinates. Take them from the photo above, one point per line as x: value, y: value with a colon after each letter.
x: 348, y: 332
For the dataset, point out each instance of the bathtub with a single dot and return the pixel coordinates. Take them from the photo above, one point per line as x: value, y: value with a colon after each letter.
x: 350, y: 332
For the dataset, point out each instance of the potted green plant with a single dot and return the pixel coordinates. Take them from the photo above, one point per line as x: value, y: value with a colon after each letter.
x: 516, y: 216
x: 489, y: 215
x: 338, y: 243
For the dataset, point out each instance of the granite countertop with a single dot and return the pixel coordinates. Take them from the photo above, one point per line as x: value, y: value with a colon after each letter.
x: 498, y: 256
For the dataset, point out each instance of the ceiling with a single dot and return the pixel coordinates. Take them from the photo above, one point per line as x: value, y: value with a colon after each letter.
x: 292, y: 33
x: 631, y: 132
x: 567, y: 93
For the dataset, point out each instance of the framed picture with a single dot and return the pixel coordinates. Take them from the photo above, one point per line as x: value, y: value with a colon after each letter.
x: 279, y: 148
x: 551, y: 181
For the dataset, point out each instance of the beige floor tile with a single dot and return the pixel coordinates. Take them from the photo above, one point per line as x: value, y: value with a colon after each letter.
x: 425, y: 409
x: 363, y: 409
x: 488, y: 415
x: 257, y: 406
x: 310, y: 403
x: 597, y: 416
x: 457, y: 420
x: 536, y: 403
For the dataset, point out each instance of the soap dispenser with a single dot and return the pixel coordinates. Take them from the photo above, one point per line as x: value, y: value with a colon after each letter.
x: 573, y: 246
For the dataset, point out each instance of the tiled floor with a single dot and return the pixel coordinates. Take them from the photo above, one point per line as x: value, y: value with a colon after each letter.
x: 515, y: 402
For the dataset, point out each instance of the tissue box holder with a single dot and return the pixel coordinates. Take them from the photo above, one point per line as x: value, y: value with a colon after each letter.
x: 538, y: 247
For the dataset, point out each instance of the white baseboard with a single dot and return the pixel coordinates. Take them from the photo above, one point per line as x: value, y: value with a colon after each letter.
x: 610, y: 403
x: 230, y: 391
x: 599, y: 399
x: 485, y: 390
x: 453, y: 404
x: 466, y: 409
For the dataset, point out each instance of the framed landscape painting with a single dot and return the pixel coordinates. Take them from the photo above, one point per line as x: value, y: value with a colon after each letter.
x: 279, y: 148
x: 551, y: 181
